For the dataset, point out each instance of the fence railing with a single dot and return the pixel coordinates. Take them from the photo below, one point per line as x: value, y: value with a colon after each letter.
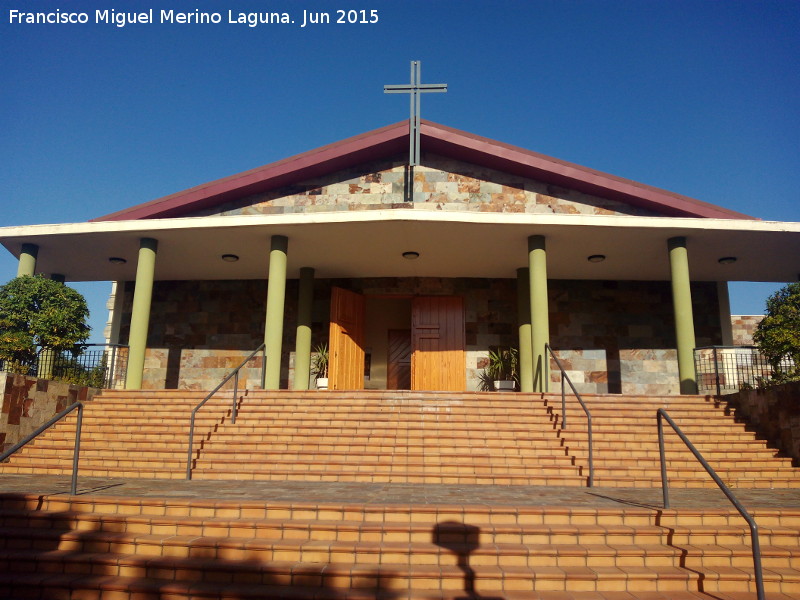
x: 232, y: 375
x: 727, y: 369
x: 565, y: 378
x: 662, y: 415
x: 93, y: 365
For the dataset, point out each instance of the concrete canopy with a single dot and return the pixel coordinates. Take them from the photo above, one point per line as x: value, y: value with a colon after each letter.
x: 371, y: 243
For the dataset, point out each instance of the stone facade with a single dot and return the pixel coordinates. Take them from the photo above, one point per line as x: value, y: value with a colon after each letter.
x: 439, y: 183
x: 775, y: 412
x: 743, y: 328
x: 29, y: 402
x: 619, y: 336
x: 201, y: 330
x: 613, y: 337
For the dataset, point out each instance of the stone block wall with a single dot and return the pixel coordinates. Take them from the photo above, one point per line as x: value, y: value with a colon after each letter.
x: 619, y: 336
x: 201, y: 330
x: 439, y: 183
x: 743, y: 328
x: 775, y: 412
x: 613, y: 337
x: 29, y: 402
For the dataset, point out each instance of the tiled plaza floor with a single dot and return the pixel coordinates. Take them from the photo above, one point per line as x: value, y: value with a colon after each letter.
x: 383, y: 493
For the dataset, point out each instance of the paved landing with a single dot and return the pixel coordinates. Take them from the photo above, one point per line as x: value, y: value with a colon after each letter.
x: 386, y: 493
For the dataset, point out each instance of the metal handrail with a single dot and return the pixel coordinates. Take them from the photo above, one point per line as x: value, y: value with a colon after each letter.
x: 76, y: 452
x: 235, y: 375
x: 565, y: 377
x: 662, y: 414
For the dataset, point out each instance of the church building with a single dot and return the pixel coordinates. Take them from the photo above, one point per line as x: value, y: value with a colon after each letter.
x: 411, y: 275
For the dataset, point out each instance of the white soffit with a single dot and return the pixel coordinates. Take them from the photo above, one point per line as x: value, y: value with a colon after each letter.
x: 450, y: 244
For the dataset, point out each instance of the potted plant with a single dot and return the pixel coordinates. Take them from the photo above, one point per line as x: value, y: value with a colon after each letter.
x: 319, y: 366
x: 503, y: 368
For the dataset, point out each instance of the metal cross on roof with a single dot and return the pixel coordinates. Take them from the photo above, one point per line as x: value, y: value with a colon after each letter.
x: 414, y: 89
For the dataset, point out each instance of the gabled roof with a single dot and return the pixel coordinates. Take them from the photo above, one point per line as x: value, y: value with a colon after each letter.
x: 439, y: 139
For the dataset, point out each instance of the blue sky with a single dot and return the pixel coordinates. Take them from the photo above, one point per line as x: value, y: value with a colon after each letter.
x: 697, y: 97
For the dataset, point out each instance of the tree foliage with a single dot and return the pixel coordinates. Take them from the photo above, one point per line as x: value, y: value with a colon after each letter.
x: 778, y: 334
x: 35, y: 311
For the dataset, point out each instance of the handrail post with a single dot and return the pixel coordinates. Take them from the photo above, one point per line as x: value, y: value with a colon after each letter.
x: 234, y: 374
x: 76, y: 452
x: 42, y: 428
x: 716, y: 371
x: 662, y: 454
x: 191, y: 445
x: 235, y: 394
x: 565, y: 377
x: 263, y: 366
x: 591, y: 448
x: 756, y: 545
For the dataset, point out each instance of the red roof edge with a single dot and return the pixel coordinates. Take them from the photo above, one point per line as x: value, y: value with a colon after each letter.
x: 339, y: 155
x: 505, y: 157
x: 440, y: 139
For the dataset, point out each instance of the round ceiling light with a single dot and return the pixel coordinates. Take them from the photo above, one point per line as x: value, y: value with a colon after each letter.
x: 230, y: 257
x: 596, y: 258
x: 117, y: 260
x: 727, y: 260
x: 411, y: 255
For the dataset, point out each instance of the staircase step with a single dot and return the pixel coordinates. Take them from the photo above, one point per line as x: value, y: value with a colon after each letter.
x: 506, y: 438
x: 72, y: 546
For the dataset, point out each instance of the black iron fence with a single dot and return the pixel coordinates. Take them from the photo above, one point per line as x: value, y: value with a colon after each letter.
x: 93, y: 365
x: 728, y: 369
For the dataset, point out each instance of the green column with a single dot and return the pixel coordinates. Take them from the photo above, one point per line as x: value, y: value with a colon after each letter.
x: 302, y: 348
x: 27, y: 260
x: 276, y: 296
x: 540, y: 325
x: 682, y: 305
x: 524, y: 328
x: 140, y: 315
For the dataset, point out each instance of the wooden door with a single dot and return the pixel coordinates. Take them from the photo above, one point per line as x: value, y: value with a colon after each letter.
x: 437, y: 329
x: 398, y: 363
x: 346, y: 340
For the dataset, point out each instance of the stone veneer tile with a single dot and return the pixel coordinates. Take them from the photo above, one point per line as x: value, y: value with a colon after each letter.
x: 439, y: 182
x: 29, y: 402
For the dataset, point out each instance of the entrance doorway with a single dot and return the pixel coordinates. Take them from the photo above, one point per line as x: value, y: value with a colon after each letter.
x: 413, y: 343
x: 398, y: 360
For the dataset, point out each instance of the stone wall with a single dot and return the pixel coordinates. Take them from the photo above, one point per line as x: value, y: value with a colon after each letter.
x: 29, y: 402
x: 613, y: 337
x: 619, y: 336
x: 439, y: 183
x: 200, y: 330
x: 743, y: 328
x: 775, y: 412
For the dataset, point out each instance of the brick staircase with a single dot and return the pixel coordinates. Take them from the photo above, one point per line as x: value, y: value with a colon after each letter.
x: 626, y: 443
x: 75, y: 547
x: 391, y: 438
x: 405, y: 437
x: 146, y: 548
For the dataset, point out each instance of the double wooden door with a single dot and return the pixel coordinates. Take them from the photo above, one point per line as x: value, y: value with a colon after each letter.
x: 437, y: 342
